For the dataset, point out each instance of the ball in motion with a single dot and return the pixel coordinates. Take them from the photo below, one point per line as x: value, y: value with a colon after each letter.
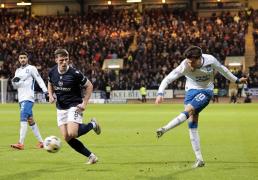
x: 52, y: 144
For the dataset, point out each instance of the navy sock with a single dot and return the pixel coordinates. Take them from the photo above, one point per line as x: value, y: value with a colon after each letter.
x: 84, y: 128
x: 79, y: 147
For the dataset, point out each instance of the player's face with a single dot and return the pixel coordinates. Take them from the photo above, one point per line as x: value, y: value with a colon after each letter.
x: 62, y: 62
x: 23, y: 59
x: 194, y: 63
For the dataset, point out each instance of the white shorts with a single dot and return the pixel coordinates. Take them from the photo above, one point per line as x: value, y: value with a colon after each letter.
x: 69, y: 115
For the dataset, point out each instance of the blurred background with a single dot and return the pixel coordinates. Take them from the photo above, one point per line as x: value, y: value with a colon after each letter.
x: 125, y: 45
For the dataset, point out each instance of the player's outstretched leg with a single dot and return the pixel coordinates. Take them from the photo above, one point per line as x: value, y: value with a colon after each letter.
x: 85, y: 128
x: 173, y: 123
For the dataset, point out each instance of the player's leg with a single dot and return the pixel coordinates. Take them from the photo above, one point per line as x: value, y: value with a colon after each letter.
x: 72, y: 130
x: 195, y: 139
x: 75, y: 116
x: 23, y: 127
x: 182, y: 117
x: 75, y: 128
x: 199, y: 102
x: 33, y: 125
x: 188, y: 111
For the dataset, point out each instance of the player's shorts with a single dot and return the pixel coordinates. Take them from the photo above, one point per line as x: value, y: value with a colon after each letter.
x: 69, y: 115
x: 25, y: 110
x: 198, y: 98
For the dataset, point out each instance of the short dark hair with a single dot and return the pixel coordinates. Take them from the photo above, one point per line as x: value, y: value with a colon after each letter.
x: 23, y: 53
x: 193, y: 52
x: 62, y: 52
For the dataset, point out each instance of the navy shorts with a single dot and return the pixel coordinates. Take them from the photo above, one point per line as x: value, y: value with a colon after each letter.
x: 198, y: 98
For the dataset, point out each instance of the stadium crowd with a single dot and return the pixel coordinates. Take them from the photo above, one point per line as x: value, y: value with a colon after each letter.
x: 151, y: 43
x: 253, y: 72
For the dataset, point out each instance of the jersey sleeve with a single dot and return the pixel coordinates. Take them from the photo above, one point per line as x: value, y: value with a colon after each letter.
x: 223, y: 70
x: 37, y: 77
x: 172, y: 76
x: 81, y: 79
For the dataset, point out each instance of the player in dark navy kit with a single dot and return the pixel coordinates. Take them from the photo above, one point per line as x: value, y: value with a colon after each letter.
x: 71, y: 90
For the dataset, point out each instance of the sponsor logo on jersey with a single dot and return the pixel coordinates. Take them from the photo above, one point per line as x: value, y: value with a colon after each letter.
x: 56, y: 88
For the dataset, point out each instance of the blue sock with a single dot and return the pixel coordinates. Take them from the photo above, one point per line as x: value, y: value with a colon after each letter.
x: 84, y: 128
x: 186, y: 114
x: 192, y: 124
x: 79, y: 147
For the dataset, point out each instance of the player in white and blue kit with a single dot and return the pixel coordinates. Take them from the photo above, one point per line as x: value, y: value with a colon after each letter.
x: 199, y: 70
x: 24, y: 80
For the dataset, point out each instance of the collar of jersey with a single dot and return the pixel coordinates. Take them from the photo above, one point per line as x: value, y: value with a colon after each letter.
x: 24, y: 66
x: 64, y: 72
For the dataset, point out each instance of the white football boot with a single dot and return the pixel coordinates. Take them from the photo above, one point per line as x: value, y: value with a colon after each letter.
x: 97, y: 129
x: 198, y: 163
x: 160, y: 132
x: 92, y: 159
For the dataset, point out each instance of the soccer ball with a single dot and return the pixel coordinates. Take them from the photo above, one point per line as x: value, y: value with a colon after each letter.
x: 52, y: 144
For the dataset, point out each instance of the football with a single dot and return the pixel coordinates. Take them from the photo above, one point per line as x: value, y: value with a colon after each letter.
x: 52, y: 144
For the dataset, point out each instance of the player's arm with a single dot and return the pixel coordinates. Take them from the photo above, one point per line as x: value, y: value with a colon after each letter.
x: 16, y: 81
x: 50, y: 92
x: 37, y: 77
x: 86, y: 94
x: 227, y: 74
x: 173, y: 75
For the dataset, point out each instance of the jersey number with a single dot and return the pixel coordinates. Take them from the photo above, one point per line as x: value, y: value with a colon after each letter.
x: 200, y: 97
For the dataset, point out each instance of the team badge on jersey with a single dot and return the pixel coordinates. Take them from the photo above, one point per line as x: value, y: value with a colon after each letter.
x: 60, y: 83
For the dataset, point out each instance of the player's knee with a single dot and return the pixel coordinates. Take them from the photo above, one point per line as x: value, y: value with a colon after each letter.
x: 190, y: 109
x: 72, y: 134
x: 67, y: 138
x: 31, y: 121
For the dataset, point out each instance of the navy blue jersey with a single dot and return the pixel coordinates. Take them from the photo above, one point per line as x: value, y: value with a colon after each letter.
x: 67, y: 87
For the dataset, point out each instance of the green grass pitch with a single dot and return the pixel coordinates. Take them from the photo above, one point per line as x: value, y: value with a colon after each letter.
x: 129, y: 149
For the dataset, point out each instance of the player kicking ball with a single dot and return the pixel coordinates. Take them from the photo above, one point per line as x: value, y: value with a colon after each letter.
x: 72, y: 90
x: 199, y: 70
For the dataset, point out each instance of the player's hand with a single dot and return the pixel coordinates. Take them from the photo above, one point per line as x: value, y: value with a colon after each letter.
x: 51, y: 99
x: 16, y: 79
x: 159, y: 99
x: 243, y: 80
x: 81, y: 107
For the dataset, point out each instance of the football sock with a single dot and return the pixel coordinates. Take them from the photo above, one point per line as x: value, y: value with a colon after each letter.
x: 177, y: 120
x: 84, y: 128
x: 36, y: 132
x: 23, y: 131
x: 195, y: 140
x: 79, y: 147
